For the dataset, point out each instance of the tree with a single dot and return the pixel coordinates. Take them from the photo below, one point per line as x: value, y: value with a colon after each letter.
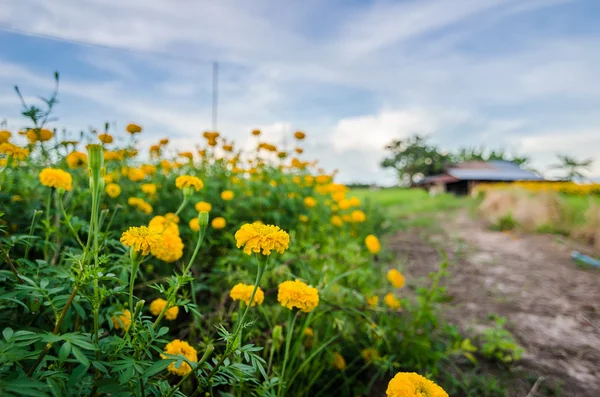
x: 412, y: 157
x: 479, y: 154
x: 572, y: 167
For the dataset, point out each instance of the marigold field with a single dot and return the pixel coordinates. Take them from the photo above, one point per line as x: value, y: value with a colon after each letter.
x: 215, y: 271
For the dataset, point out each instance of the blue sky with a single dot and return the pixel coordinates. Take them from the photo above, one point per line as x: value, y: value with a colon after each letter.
x: 522, y: 75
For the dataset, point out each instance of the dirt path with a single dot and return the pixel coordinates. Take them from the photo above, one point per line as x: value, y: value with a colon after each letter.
x: 553, y: 307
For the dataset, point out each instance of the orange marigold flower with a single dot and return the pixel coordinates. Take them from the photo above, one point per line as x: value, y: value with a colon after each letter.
x: 338, y: 361
x: 105, y: 138
x: 56, y: 178
x: 227, y: 195
x: 123, y: 320
x: 141, y: 239
x: 299, y: 135
x: 157, y: 306
x: 395, y: 278
x: 113, y: 190
x: 133, y: 128
x: 180, y: 348
x: 188, y: 181
x: 242, y: 292
x: 256, y: 237
x: 219, y: 222
x: 297, y: 294
x: 372, y: 244
x: 76, y: 160
x: 406, y: 384
x: 390, y: 300
x: 203, y: 206
x: 310, y: 202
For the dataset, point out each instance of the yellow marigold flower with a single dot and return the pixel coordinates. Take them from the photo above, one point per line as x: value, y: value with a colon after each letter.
x: 310, y: 202
x: 242, y: 292
x: 183, y: 349
x: 256, y: 237
x: 162, y: 224
x: 358, y: 216
x: 133, y: 128
x: 323, y: 179
x: 163, y: 142
x: 5, y: 136
x: 148, y: 169
x: 141, y: 239
x: 372, y: 300
x: 299, y: 135
x: 308, y: 332
x: 391, y: 301
x: 157, y: 306
x: 372, y: 244
x: 256, y: 132
x: 298, y: 294
x: 369, y: 354
x: 53, y: 177
x: 297, y: 180
x: 16, y: 198
x: 227, y: 195
x: 344, y: 204
x: 140, y: 204
x: 336, y: 220
x: 149, y: 189
x: 105, y: 138
x: 219, y: 222
x: 76, y: 160
x: 188, y: 181
x: 228, y: 148
x: 338, y: 196
x: 17, y: 152
x: 203, y: 206
x: 303, y: 218
x: 39, y: 135
x: 406, y: 384
x: 395, y: 278
x: 187, y: 155
x: 113, y: 190
x: 299, y: 150
x: 172, y: 217
x: 135, y: 174
x: 354, y: 201
x: 122, y: 321
x: 170, y: 248
x: 111, y: 156
x: 309, y: 179
x: 194, y: 224
x: 338, y: 361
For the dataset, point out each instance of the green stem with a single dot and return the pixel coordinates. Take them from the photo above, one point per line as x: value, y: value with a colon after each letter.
x: 68, y: 222
x: 55, y: 331
x: 288, y: 341
x: 31, y: 228
x: 207, y: 354
x: 48, y: 208
x: 186, y: 269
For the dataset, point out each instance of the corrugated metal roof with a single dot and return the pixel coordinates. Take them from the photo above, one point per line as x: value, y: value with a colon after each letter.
x: 512, y: 174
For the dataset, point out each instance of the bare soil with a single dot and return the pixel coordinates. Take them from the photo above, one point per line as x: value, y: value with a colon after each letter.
x: 553, y: 306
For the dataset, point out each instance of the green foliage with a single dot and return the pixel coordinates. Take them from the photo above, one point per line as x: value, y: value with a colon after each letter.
x: 498, y: 343
x: 505, y: 223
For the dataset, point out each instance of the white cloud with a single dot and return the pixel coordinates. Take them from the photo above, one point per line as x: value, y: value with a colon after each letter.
x: 353, y: 78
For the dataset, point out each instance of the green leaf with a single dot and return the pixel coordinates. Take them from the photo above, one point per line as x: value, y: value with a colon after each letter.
x: 77, y: 374
x: 44, y: 283
x: 64, y: 351
x: 8, y: 333
x: 157, y: 367
x: 80, y: 356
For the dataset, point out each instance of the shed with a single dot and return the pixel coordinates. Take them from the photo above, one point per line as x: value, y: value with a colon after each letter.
x: 461, y: 178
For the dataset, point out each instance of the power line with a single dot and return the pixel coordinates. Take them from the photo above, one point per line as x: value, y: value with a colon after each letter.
x: 103, y: 46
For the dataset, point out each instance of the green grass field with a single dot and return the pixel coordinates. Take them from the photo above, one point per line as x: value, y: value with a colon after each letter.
x: 410, y: 203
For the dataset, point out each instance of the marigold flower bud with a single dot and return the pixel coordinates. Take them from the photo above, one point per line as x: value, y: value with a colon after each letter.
x: 203, y: 219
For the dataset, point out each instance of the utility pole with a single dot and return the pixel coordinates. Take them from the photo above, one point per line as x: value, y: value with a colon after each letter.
x: 215, y: 95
